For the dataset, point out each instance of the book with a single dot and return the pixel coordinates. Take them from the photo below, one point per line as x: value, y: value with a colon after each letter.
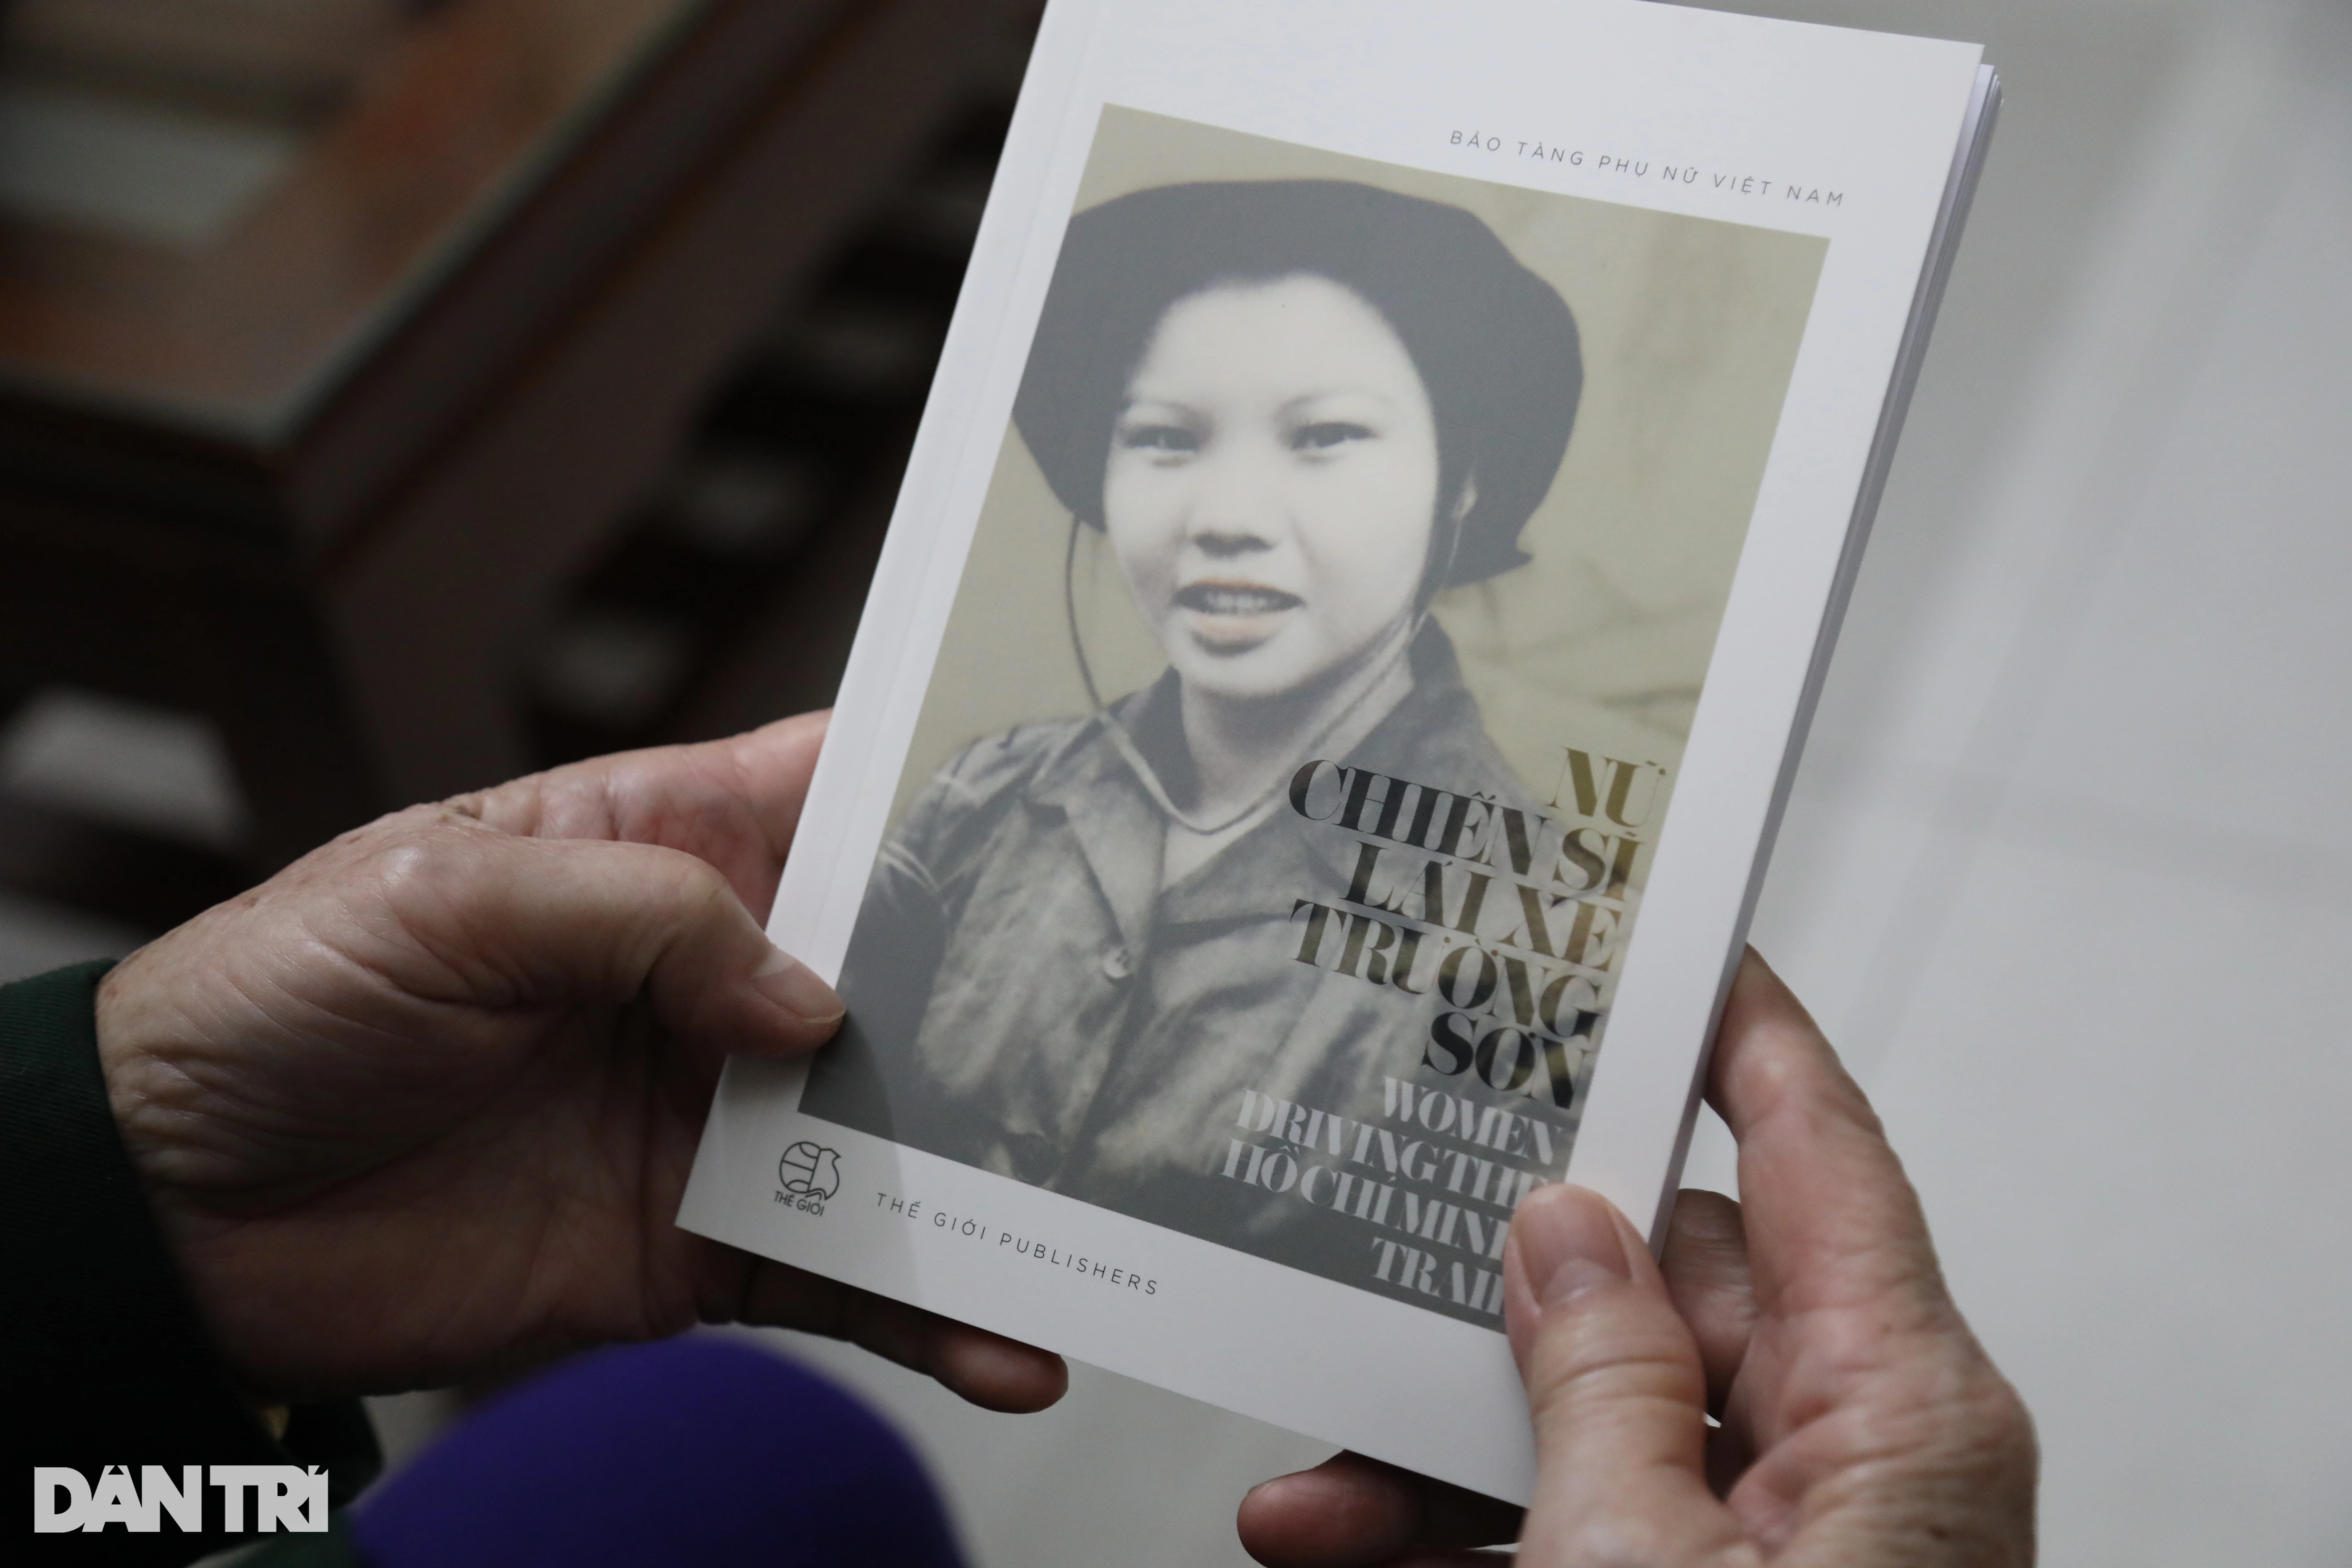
x: 1318, y: 724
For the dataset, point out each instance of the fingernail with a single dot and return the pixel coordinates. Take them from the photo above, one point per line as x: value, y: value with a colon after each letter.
x: 1569, y: 1244
x: 794, y: 987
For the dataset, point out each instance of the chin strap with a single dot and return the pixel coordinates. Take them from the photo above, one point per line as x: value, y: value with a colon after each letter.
x: 1369, y: 681
x: 1070, y: 614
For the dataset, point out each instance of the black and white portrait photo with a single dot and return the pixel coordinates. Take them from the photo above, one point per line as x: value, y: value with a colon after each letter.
x: 1280, y: 807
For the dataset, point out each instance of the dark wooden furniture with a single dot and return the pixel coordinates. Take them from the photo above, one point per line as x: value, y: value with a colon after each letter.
x: 318, y: 474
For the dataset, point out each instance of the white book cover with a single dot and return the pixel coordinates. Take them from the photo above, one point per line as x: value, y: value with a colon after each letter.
x: 1322, y: 711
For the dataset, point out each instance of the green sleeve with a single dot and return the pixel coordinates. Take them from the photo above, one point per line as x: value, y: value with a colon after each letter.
x: 103, y: 1359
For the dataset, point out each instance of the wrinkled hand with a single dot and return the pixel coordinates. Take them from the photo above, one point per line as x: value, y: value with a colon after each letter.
x: 424, y: 1103
x: 1861, y: 1424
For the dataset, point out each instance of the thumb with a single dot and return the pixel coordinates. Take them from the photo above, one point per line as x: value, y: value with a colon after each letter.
x: 1616, y: 1391
x: 554, y: 921
x: 717, y: 980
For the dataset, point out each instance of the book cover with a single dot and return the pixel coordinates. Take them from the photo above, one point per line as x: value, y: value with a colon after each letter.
x: 1319, y: 722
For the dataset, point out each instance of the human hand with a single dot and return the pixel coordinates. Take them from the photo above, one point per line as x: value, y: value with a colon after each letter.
x: 1861, y: 1424
x: 424, y: 1103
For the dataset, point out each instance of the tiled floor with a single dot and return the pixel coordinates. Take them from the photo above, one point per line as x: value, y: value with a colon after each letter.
x: 2068, y: 872
x: 2089, y: 881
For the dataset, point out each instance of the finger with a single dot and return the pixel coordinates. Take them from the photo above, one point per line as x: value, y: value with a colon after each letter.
x: 1706, y: 1273
x: 734, y: 802
x: 1829, y: 1218
x: 1350, y: 1510
x: 524, y: 922
x: 1616, y: 1390
x: 988, y: 1369
x: 1875, y: 1377
x: 773, y: 766
x: 1708, y: 1278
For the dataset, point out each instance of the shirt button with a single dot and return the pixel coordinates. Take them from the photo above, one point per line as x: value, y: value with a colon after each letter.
x: 1116, y: 964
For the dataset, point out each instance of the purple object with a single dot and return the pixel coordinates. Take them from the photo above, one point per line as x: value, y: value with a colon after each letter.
x: 694, y: 1451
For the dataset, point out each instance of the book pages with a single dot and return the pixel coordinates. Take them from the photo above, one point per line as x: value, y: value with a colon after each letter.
x: 1320, y: 716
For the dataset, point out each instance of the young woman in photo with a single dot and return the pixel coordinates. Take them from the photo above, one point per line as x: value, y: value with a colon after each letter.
x: 1296, y: 410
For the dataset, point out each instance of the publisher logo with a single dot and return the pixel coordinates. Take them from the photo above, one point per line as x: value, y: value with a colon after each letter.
x: 285, y: 1497
x: 810, y: 1174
